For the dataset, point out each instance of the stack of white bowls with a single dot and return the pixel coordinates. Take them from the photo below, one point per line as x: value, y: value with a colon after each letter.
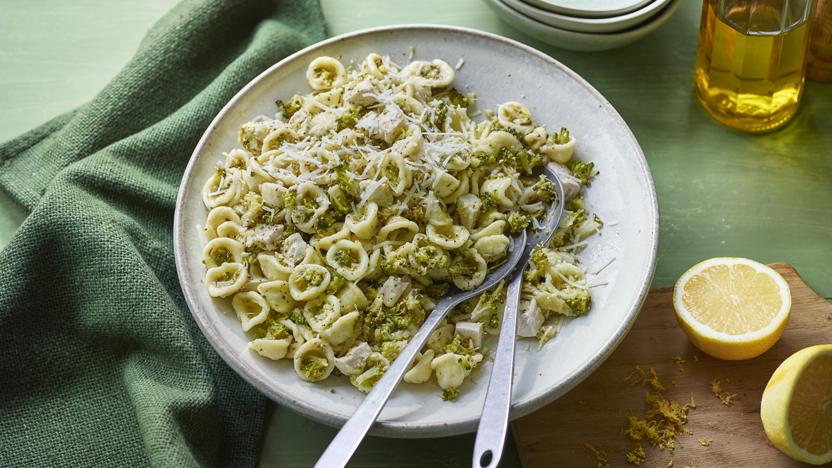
x: 586, y: 24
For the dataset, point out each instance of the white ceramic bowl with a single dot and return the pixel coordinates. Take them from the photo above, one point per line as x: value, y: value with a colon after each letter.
x: 590, y: 25
x: 589, y: 8
x: 499, y: 70
x: 580, y: 41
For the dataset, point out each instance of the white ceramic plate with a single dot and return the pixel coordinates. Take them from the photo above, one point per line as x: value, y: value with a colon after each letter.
x: 590, y: 25
x: 499, y: 70
x: 590, y: 8
x: 580, y: 41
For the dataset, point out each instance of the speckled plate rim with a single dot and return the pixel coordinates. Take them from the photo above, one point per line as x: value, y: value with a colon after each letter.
x: 399, y: 429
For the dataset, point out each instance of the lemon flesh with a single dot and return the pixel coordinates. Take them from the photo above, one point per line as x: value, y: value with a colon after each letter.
x: 796, y: 408
x: 732, y: 308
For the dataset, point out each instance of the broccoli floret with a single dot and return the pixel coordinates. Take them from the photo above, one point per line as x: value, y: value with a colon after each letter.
x: 297, y: 316
x: 545, y: 189
x: 290, y: 198
x: 288, y: 109
x: 313, y: 367
x: 391, y: 349
x: 270, y: 330
x: 313, y: 277
x: 458, y: 99
x: 415, y: 213
x: 337, y: 284
x: 220, y: 256
x: 461, y: 267
x: 488, y: 202
x: 517, y: 222
x: 343, y: 258
x: 576, y: 203
x: 253, y: 204
x: 566, y: 235
x: 457, y: 347
x: 441, y: 115
x: 450, y: 394
x: 430, y: 71
x: 348, y: 119
x: 579, y: 302
x: 391, y: 264
x: 583, y: 171
x: 487, y: 306
x: 538, y: 267
x: 560, y: 137
x: 527, y: 162
x: 347, y: 183
x: 428, y: 258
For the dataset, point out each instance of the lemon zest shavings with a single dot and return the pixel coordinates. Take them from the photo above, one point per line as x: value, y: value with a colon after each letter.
x: 725, y: 398
x: 600, y: 457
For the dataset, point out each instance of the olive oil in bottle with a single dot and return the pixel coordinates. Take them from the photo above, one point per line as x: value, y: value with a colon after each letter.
x: 751, y: 61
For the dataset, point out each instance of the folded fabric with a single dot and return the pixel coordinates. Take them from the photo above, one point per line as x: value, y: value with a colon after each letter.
x: 101, y: 363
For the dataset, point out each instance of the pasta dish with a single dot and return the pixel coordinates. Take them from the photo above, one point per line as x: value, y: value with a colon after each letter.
x: 337, y: 224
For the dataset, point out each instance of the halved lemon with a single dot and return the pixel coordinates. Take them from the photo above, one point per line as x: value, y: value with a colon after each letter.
x: 797, y: 406
x: 732, y: 308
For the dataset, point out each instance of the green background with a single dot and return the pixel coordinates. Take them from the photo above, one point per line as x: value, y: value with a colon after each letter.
x: 721, y: 193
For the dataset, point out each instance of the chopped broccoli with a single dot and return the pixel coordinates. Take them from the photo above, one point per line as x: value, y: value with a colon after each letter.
x: 517, y: 222
x: 579, y: 302
x: 390, y: 264
x: 538, y: 267
x: 391, y: 349
x: 487, y: 306
x: 314, y: 367
x: 343, y: 258
x: 297, y: 316
x: 545, y: 189
x: 560, y: 137
x: 441, y: 115
x: 337, y: 284
x: 488, y: 202
x: 461, y: 267
x: 576, y: 203
x: 565, y: 235
x: 450, y: 394
x: 253, y: 204
x: 583, y: 171
x: 220, y: 256
x: 428, y: 258
x: 458, y: 99
x: 430, y: 71
x: 415, y: 213
x: 290, y: 198
x: 347, y: 182
x: 313, y: 277
x: 457, y: 347
x: 348, y: 119
x: 288, y: 109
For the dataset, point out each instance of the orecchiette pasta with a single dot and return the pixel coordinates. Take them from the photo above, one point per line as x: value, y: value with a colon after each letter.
x: 337, y: 225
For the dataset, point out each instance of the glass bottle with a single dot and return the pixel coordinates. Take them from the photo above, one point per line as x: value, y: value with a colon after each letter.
x: 751, y: 62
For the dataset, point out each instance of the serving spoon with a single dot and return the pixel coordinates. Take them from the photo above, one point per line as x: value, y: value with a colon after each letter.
x: 491, y: 432
x: 345, y: 443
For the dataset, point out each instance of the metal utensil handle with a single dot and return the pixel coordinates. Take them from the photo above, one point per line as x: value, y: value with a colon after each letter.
x: 342, y: 447
x: 493, y: 427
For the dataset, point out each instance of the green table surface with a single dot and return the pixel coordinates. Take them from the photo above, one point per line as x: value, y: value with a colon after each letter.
x: 721, y: 193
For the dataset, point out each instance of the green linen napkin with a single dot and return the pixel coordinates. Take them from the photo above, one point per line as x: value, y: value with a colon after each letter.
x: 101, y: 363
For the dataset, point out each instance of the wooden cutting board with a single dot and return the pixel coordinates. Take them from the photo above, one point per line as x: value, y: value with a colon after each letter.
x: 596, y: 411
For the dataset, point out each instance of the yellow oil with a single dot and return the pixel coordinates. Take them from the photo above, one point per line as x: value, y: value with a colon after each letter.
x: 751, y: 81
